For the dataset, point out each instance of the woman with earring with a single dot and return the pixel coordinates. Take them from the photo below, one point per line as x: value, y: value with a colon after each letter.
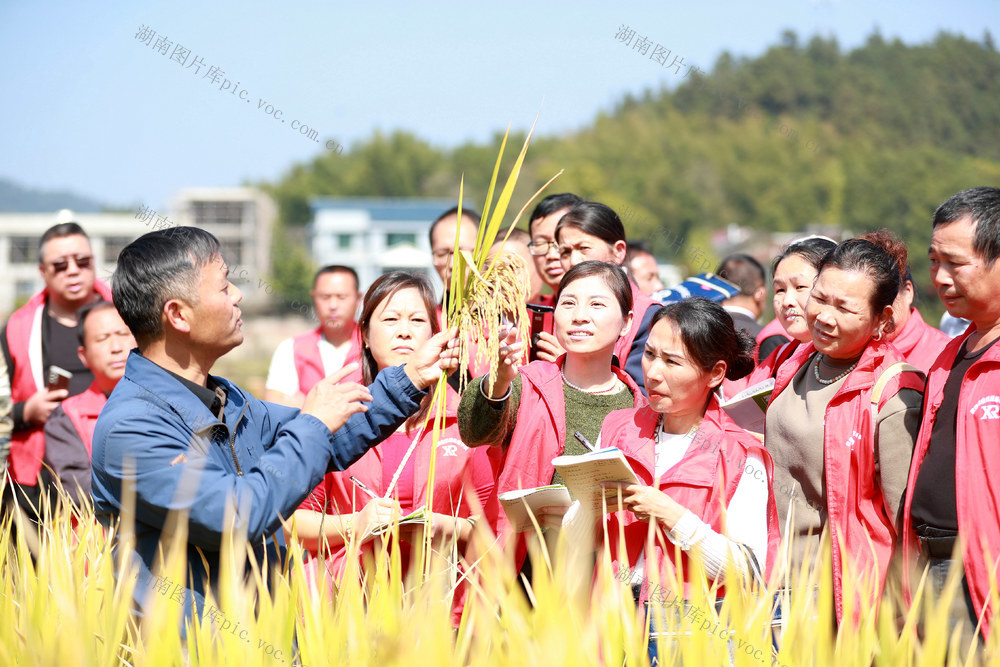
x: 843, y: 419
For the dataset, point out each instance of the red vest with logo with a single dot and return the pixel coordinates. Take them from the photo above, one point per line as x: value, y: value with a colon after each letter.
x: 703, y: 481
x: 855, y: 506
x: 463, y: 483
x: 977, y: 469
x: 539, y: 436
x: 309, y: 363
x: 24, y: 333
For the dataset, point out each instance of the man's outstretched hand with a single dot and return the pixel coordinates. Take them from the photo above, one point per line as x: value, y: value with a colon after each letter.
x: 436, y: 355
x: 333, y: 403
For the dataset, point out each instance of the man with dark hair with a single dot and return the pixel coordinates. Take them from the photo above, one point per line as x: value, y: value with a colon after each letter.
x: 641, y: 267
x: 746, y: 307
x: 42, y: 334
x: 952, y: 491
x: 105, y: 342
x: 918, y: 342
x: 186, y: 448
x: 300, y: 362
x: 542, y: 228
x: 442, y: 236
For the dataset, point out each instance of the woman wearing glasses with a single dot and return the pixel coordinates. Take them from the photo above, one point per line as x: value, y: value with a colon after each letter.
x: 591, y: 231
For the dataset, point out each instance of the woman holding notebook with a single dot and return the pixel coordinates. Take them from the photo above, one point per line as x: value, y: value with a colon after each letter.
x: 391, y: 479
x: 707, y: 481
x: 531, y: 413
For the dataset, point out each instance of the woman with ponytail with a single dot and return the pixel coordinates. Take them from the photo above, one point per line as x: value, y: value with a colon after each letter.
x: 707, y: 482
x: 843, y: 418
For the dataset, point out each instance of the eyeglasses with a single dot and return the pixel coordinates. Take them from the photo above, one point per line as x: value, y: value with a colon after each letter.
x: 539, y: 248
x: 443, y: 257
x: 81, y: 261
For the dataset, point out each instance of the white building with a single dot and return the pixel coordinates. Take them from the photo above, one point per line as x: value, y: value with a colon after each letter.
x: 375, y: 235
x: 241, y: 218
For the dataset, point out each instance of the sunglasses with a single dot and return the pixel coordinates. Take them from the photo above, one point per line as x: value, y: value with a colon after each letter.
x: 81, y: 261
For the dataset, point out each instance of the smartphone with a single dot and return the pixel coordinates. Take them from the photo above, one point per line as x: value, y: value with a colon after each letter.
x: 58, y: 378
x: 538, y: 313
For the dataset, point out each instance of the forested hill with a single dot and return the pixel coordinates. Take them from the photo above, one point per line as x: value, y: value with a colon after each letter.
x: 803, y: 134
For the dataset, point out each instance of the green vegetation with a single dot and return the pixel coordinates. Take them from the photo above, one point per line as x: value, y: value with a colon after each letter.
x: 801, y: 135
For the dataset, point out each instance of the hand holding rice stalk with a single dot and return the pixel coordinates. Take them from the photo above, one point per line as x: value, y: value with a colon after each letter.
x: 481, y: 298
x: 488, y: 291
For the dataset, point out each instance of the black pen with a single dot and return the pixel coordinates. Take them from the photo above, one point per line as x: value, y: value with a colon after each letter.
x: 361, y: 485
x: 583, y: 441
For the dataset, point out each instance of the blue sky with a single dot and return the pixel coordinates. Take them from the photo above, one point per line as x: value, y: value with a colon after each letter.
x: 88, y: 107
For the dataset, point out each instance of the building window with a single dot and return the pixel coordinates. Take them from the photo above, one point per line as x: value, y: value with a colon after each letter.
x: 344, y: 241
x: 23, y: 291
x: 217, y: 212
x: 232, y: 252
x: 113, y: 245
x: 24, y: 249
x: 394, y: 239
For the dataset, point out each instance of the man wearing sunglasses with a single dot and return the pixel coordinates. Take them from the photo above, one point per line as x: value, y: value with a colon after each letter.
x: 41, y: 334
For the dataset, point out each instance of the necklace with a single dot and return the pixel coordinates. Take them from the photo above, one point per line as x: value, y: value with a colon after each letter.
x: 834, y: 379
x: 605, y: 390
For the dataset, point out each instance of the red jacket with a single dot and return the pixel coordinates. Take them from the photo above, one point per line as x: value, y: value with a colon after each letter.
x: 703, y: 481
x: 855, y: 507
x: 463, y: 483
x: 977, y: 469
x: 83, y: 411
x: 640, y: 304
x: 24, y: 340
x: 920, y: 343
x: 309, y: 363
x: 539, y: 436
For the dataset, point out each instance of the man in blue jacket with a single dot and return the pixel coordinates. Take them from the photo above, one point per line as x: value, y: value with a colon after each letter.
x: 198, y: 458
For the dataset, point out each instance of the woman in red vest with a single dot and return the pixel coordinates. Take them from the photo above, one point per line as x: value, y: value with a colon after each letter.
x: 843, y: 418
x: 793, y: 272
x: 532, y: 413
x: 396, y: 318
x: 591, y: 231
x: 707, y: 482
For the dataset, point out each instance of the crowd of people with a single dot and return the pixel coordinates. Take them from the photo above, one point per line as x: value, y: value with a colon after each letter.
x: 875, y: 443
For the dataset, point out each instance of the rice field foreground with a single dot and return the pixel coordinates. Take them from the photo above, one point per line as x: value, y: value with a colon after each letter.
x: 61, y: 604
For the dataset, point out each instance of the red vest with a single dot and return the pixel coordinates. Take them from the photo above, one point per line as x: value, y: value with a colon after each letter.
x: 920, y: 343
x: 24, y: 340
x: 83, y: 410
x: 640, y: 304
x: 703, y: 481
x: 459, y: 470
x: 309, y: 363
x: 539, y: 436
x: 855, y: 508
x: 977, y: 469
